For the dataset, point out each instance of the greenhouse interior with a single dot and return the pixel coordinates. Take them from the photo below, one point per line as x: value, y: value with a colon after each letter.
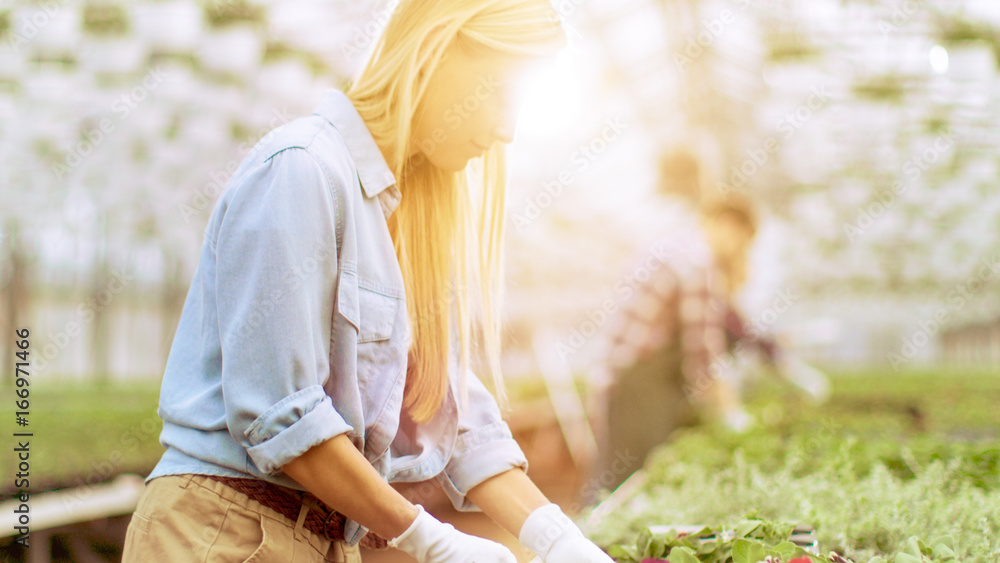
x: 731, y: 294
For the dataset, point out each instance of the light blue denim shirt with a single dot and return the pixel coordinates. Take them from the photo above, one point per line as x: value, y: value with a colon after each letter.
x: 295, y: 328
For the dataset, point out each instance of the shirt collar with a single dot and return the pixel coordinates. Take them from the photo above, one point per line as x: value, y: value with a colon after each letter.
x: 373, y: 171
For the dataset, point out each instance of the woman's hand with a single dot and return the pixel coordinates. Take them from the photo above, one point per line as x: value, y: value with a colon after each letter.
x: 514, y: 502
x: 552, y: 536
x: 431, y: 541
x: 337, y: 473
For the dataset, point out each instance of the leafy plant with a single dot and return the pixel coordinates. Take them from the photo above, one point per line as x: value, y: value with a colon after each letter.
x: 857, y: 469
x: 885, y: 88
x: 105, y: 19
x: 759, y: 541
x: 5, y: 25
x: 228, y: 12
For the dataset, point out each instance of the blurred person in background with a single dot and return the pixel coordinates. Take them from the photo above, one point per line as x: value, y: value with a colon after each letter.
x: 347, y: 272
x: 669, y: 334
x: 730, y: 223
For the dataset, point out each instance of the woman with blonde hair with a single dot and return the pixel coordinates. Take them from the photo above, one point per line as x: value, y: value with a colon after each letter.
x: 348, y: 272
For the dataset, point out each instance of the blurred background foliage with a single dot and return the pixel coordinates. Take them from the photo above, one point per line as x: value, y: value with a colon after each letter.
x: 864, y: 129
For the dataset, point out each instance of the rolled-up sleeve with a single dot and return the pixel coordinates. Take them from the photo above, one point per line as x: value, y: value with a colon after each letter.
x: 276, y: 272
x: 484, y: 447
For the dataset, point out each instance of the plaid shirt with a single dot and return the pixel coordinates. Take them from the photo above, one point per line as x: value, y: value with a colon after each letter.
x: 679, y: 299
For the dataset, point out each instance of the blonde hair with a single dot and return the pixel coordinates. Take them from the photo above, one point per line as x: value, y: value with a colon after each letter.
x: 451, y: 256
x: 680, y: 176
x: 741, y: 210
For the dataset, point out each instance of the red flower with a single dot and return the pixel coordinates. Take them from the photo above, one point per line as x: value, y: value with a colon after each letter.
x: 801, y: 560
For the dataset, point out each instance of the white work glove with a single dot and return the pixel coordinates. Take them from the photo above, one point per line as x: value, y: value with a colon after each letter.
x: 431, y: 541
x: 805, y: 377
x: 552, y: 536
x: 737, y: 419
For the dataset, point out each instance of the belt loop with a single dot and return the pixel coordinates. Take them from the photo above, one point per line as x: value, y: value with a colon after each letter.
x: 186, y: 480
x: 342, y: 552
x: 352, y: 553
x: 335, y: 553
x: 300, y: 523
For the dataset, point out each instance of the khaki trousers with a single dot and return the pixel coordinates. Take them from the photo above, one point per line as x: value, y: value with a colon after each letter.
x: 183, y: 518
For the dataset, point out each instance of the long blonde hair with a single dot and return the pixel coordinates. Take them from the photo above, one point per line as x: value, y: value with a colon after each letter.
x: 447, y: 236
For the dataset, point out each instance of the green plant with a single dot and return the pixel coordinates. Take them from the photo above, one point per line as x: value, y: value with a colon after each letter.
x: 276, y: 51
x: 889, y: 457
x: 785, y: 43
x: 227, y: 12
x: 884, y: 88
x: 88, y: 434
x: 5, y: 25
x: 956, y: 31
x: 959, y: 30
x: 754, y: 541
x: 105, y: 19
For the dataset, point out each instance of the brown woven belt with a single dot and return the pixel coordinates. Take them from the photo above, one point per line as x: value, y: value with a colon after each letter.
x: 320, y: 518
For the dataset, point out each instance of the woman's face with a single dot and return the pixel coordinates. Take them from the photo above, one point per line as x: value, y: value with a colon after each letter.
x: 469, y: 105
x: 729, y: 237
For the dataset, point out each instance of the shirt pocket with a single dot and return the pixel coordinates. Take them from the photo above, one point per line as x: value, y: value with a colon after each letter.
x: 371, y: 312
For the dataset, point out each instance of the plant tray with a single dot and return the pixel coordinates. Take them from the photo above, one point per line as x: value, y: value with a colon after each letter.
x: 802, y: 536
